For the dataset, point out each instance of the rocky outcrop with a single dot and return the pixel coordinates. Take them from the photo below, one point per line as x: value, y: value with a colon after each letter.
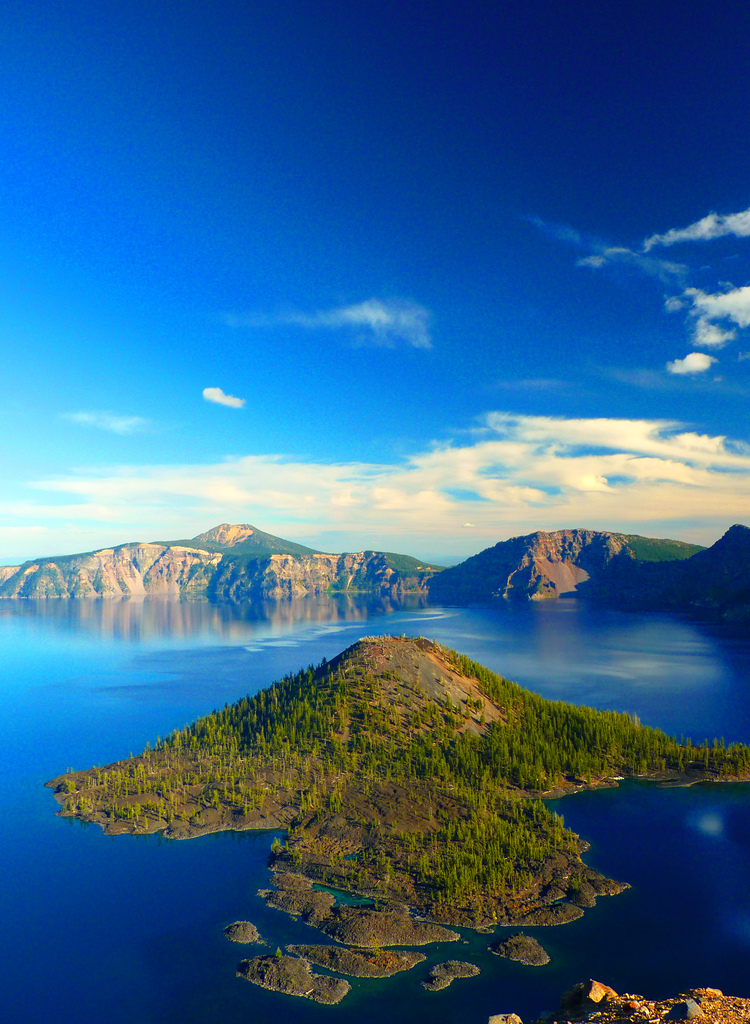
x: 359, y: 963
x: 242, y: 931
x: 292, y: 976
x: 591, y: 1000
x: 361, y: 926
x: 522, y: 948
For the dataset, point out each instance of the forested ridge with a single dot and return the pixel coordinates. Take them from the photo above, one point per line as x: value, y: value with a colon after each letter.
x: 400, y: 768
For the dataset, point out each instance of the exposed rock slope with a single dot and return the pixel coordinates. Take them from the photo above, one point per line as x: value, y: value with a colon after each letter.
x: 540, y: 565
x: 133, y: 570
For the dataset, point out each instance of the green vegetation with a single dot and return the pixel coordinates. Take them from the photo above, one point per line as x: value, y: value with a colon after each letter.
x: 257, y: 545
x: 405, y: 563
x: 401, y: 768
x: 651, y: 549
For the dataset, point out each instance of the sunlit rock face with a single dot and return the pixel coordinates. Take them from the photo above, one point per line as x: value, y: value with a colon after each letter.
x: 134, y: 570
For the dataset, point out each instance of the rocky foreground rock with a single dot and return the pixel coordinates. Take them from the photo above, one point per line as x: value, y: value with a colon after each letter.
x: 593, y: 1001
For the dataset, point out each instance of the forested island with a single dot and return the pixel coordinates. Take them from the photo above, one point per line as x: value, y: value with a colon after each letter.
x: 401, y: 770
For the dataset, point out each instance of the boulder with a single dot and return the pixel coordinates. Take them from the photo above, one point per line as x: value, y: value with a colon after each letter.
x: 585, y: 993
x: 505, y: 1018
x: 686, y: 1010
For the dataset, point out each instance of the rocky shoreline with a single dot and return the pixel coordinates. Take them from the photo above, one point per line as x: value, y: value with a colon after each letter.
x: 359, y: 963
x: 443, y: 975
x: 292, y: 976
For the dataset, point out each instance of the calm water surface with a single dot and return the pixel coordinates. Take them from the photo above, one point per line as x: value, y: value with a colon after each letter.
x: 129, y: 929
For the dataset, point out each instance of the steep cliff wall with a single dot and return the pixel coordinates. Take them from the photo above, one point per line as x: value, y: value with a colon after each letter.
x: 140, y: 570
x: 133, y: 570
x: 282, y: 576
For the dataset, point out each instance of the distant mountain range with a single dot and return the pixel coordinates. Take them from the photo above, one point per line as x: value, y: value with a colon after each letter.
x: 239, y: 562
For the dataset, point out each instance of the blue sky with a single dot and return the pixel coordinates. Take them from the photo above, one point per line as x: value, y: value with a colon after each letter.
x: 388, y: 275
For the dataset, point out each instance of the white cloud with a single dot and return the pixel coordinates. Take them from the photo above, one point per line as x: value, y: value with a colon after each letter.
x: 694, y: 362
x: 521, y: 473
x: 373, y: 321
x: 712, y: 226
x: 217, y: 395
x: 709, y: 335
x: 731, y: 305
x: 109, y: 421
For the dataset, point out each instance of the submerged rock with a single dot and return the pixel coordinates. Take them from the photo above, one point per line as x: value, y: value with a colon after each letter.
x: 442, y: 975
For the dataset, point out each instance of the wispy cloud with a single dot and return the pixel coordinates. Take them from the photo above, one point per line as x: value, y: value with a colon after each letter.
x: 217, y: 395
x: 521, y: 473
x: 376, y: 322
x: 712, y: 226
x: 533, y: 384
x: 694, y: 362
x: 617, y: 255
x: 111, y: 422
x: 602, y: 254
x: 711, y: 319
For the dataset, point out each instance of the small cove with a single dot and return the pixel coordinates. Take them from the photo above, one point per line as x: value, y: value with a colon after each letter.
x: 134, y: 925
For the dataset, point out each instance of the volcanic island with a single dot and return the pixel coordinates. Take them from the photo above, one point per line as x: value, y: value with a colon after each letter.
x: 403, y: 773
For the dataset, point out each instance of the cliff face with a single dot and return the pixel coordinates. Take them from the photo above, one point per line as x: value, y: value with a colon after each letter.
x: 282, y: 576
x: 133, y: 570
x: 538, y: 566
x: 140, y: 570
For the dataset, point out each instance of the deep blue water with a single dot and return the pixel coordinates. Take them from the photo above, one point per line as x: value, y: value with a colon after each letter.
x: 126, y: 928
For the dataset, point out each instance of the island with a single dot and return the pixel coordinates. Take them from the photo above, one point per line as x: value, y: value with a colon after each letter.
x: 401, y: 771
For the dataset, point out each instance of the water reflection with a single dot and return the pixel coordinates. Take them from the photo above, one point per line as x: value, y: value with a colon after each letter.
x: 128, y: 619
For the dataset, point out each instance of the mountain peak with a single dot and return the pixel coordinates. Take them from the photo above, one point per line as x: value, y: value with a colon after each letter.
x: 227, y: 534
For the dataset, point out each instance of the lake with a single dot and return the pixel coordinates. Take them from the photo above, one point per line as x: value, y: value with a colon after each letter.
x: 130, y: 928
